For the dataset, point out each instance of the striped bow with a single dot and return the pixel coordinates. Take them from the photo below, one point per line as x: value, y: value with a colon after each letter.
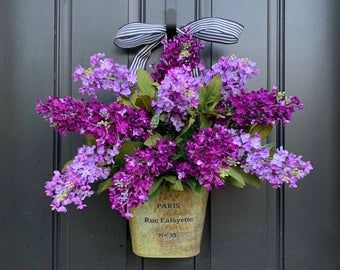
x: 209, y: 29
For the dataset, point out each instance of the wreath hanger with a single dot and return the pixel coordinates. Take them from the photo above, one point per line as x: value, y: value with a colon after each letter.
x: 170, y: 21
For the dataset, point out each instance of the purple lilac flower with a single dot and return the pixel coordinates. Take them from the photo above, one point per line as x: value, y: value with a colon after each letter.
x: 67, y: 114
x: 74, y: 185
x: 283, y: 167
x: 287, y: 168
x: 131, y: 186
x: 112, y: 123
x: 266, y: 107
x: 177, y: 94
x: 214, y: 149
x: 234, y: 72
x: 182, y: 51
x: 105, y: 74
x: 185, y: 170
x: 211, y: 150
x: 246, y: 143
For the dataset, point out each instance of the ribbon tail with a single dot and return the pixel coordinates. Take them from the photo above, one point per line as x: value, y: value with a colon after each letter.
x: 141, y: 58
x: 143, y: 55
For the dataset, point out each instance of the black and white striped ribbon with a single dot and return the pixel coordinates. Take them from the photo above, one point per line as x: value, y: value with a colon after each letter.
x: 133, y: 35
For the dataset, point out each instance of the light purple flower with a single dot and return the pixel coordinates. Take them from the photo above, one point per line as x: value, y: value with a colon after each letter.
x: 177, y: 94
x: 104, y: 74
x: 234, y: 72
x: 283, y: 167
x: 74, y: 186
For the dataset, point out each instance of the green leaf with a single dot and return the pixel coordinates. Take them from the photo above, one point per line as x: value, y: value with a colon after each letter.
x: 232, y: 172
x: 272, y: 147
x: 212, y: 107
x: 249, y: 178
x: 176, y: 156
x: 155, y: 120
x: 125, y: 100
x: 156, y: 188
x: 234, y: 183
x: 177, y: 185
x: 199, y: 188
x: 203, y: 104
x: 104, y: 185
x: 155, y: 84
x: 145, y: 83
x: 130, y: 101
x: 213, y: 91
x: 181, y: 153
x: 204, y: 121
x: 262, y: 130
x: 194, y: 185
x: 133, y: 98
x: 188, y: 125
x: 252, y: 180
x: 191, y: 112
x: 151, y: 141
x: 90, y: 140
x: 65, y: 165
x: 128, y: 148
x: 211, y: 94
x: 269, y: 145
x: 144, y: 102
x: 170, y: 178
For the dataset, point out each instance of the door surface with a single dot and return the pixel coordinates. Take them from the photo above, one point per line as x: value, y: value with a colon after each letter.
x: 295, y: 44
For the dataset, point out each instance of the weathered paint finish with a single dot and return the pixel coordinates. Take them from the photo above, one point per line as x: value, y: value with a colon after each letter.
x: 26, y: 72
x: 41, y: 41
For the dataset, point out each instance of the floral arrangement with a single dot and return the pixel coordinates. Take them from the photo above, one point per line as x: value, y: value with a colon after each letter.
x: 170, y: 129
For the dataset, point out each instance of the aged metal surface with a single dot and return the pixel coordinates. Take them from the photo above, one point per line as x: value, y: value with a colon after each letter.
x: 170, y: 225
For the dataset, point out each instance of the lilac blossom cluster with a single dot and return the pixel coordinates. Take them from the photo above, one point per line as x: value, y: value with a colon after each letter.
x: 282, y: 167
x: 105, y: 74
x: 74, y: 185
x: 131, y: 186
x: 112, y: 123
x: 265, y: 107
x: 213, y: 150
x: 182, y: 51
x: 210, y: 151
x: 177, y: 94
x: 185, y: 170
x: 234, y: 72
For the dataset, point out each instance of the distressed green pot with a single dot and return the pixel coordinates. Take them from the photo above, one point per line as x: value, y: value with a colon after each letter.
x: 170, y: 225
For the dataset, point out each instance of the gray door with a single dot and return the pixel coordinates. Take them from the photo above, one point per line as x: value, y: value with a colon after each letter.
x: 296, y: 45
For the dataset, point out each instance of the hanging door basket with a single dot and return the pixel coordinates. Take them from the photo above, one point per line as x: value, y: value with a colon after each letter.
x: 170, y: 225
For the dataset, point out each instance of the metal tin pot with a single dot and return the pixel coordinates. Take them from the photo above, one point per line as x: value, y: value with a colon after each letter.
x: 169, y: 225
